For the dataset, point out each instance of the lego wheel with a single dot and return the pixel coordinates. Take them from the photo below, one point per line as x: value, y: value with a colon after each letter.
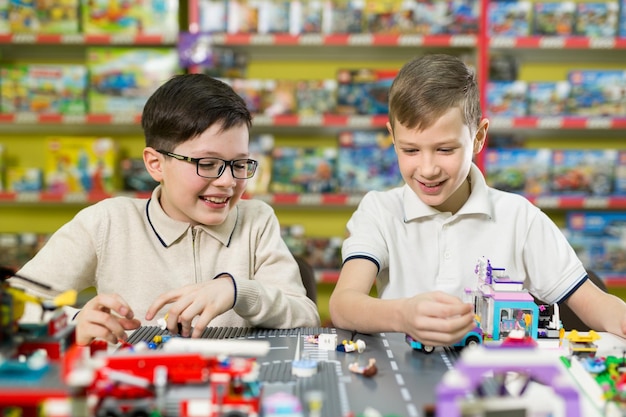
x: 472, y: 341
x: 428, y: 349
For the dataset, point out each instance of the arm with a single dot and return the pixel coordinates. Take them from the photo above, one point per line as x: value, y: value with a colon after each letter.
x: 599, y: 310
x: 258, y: 279
x: 275, y: 296
x: 433, y: 318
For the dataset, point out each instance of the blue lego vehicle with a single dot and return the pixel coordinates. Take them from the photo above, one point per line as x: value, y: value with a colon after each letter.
x: 473, y: 338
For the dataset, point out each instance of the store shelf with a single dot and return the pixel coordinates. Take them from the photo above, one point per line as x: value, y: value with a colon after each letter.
x: 54, y: 119
x: 558, y: 123
x: 295, y: 121
x: 557, y: 42
x: 357, y: 39
x: 295, y: 200
x: 84, y: 39
x: 579, y: 202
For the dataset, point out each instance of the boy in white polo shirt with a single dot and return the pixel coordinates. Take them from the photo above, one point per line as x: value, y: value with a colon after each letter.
x: 419, y: 244
x: 195, y: 250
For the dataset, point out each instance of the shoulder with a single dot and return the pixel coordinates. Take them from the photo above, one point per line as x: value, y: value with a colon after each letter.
x: 251, y: 210
x: 513, y: 207
x: 383, y: 199
x: 110, y: 207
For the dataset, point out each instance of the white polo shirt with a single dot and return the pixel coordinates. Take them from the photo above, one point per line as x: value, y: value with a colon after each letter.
x: 419, y: 249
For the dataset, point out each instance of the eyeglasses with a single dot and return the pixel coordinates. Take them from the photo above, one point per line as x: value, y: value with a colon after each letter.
x: 214, y: 167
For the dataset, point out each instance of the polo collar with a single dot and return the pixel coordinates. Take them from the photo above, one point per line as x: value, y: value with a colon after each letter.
x: 478, y: 202
x: 168, y: 230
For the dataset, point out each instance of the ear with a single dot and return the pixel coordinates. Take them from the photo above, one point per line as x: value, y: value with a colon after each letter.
x: 154, y: 163
x: 481, y: 136
x: 390, y: 130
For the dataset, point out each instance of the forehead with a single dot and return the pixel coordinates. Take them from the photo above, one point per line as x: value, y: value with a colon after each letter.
x: 450, y: 126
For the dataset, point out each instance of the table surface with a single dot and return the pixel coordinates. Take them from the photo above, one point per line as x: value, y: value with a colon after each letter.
x: 405, y: 384
x: 406, y: 381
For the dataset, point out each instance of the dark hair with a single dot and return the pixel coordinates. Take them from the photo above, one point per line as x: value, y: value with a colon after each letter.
x: 188, y: 104
x: 430, y: 85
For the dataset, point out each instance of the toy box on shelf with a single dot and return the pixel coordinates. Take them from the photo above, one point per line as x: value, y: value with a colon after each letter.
x: 363, y: 91
x: 304, y: 169
x: 80, y: 164
x: 583, y: 171
x: 620, y: 173
x: 134, y: 175
x: 52, y: 16
x: 3, y: 168
x: 319, y: 252
x: 548, y: 98
x: 525, y: 171
x: 346, y: 16
x: 122, y: 79
x: 24, y: 179
x: 443, y: 17
x: 59, y: 89
x: 197, y: 49
x: 18, y: 248
x: 212, y: 16
x: 315, y: 97
x: 554, y: 18
x: 275, y: 17
x: 366, y: 161
x: 243, y: 16
x: 509, y: 18
x: 308, y: 16
x: 596, y: 19
x: 261, y: 147
x: 599, y: 239
x: 507, y: 98
x: 130, y: 17
x: 598, y: 92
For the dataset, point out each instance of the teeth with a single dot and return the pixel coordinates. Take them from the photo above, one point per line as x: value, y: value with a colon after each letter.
x: 216, y: 200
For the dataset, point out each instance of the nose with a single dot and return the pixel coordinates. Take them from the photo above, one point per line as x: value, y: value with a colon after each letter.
x: 428, y: 166
x: 227, y: 179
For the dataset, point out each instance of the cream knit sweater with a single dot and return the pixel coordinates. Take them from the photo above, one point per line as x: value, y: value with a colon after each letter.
x: 131, y: 247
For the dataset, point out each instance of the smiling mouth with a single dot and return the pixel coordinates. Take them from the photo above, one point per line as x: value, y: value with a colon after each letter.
x: 215, y: 200
x: 432, y: 185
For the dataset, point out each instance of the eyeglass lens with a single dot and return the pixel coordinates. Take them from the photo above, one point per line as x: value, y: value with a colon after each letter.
x: 213, y: 168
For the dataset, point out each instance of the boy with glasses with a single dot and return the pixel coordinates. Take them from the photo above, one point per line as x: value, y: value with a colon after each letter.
x: 195, y: 253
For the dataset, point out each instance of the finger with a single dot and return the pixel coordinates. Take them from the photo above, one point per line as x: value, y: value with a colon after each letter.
x: 88, y: 332
x: 187, y: 316
x: 110, y: 302
x: 102, y: 324
x: 185, y: 328
x: 203, y: 321
x: 161, y: 301
x: 446, y: 298
x: 130, y: 324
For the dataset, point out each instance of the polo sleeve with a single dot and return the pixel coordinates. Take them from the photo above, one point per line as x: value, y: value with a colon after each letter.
x: 554, y: 269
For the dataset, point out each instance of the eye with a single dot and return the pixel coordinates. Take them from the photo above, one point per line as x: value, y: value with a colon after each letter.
x: 207, y: 164
x: 240, y: 165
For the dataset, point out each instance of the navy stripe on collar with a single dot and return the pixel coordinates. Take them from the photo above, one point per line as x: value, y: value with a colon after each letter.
x: 151, y: 225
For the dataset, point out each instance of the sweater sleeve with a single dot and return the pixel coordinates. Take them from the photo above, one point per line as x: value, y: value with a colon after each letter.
x: 274, y: 297
x: 67, y: 261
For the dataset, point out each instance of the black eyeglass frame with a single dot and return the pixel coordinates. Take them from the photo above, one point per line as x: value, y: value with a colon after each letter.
x: 221, y: 172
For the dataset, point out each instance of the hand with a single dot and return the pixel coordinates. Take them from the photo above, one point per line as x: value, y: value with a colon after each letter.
x: 106, y: 316
x: 437, y: 318
x: 207, y: 300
